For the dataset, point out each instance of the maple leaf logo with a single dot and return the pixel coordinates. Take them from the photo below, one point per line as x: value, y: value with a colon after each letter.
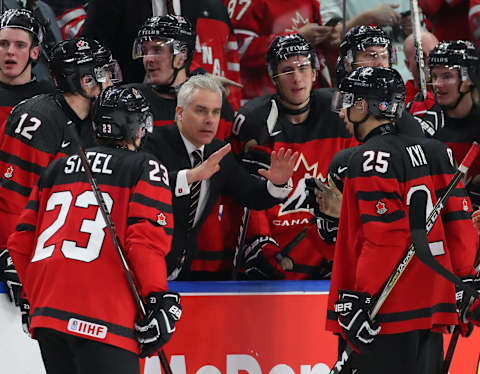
x: 381, y: 207
x: 296, y: 202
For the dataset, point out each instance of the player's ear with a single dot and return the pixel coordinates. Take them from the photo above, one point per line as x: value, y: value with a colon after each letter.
x: 34, y: 52
x: 178, y: 113
x: 179, y: 60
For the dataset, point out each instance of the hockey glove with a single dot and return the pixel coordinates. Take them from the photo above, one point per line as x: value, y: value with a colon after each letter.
x: 9, y: 276
x: 464, y: 304
x: 327, y: 227
x: 25, y: 311
x: 257, y: 157
x: 156, y: 329
x: 255, y: 265
x: 352, y: 310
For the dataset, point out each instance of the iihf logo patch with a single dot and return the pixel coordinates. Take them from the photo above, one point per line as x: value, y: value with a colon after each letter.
x: 381, y: 207
x: 161, y: 219
x: 465, y: 205
x: 9, y: 173
x: 383, y: 106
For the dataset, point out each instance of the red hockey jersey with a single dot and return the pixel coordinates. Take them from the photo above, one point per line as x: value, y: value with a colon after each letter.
x: 317, y: 140
x: 35, y: 134
x: 65, y: 257
x: 374, y: 233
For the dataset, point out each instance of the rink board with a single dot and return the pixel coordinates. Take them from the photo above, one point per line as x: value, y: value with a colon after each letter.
x: 233, y: 327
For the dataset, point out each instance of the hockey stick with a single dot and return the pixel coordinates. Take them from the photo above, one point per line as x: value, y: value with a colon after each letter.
x: 418, y: 47
x: 240, y: 250
x: 402, y: 265
x: 113, y: 234
x: 451, y: 350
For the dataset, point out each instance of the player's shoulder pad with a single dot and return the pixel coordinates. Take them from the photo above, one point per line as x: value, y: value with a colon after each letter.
x: 250, y: 117
x: 41, y: 106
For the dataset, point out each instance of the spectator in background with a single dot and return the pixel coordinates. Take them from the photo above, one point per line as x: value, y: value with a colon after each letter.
x: 447, y: 19
x: 116, y: 23
x: 257, y: 23
x: 429, y: 41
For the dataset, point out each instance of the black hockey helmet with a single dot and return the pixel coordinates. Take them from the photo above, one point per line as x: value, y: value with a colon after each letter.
x: 286, y: 46
x: 119, y: 112
x: 25, y: 20
x: 176, y: 31
x: 382, y: 88
x: 359, y: 38
x: 457, y: 54
x: 72, y: 59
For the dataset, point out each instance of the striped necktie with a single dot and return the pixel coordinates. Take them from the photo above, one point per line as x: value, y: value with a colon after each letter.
x: 194, y: 190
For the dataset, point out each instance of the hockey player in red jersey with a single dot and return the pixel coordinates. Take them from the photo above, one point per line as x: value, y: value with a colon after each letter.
x: 371, y: 46
x: 298, y: 118
x: 374, y: 234
x: 81, y: 307
x: 116, y: 23
x: 454, y: 72
x: 35, y: 132
x: 166, y: 45
x: 21, y: 37
x: 257, y: 23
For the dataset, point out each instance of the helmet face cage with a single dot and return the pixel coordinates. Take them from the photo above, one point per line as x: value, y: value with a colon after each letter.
x: 459, y: 54
x: 73, y: 59
x: 23, y: 19
x: 120, y: 112
x: 359, y: 39
x: 382, y: 88
x: 174, y: 33
x: 286, y: 46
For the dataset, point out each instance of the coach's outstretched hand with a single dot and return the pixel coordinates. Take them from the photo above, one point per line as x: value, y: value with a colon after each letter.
x: 281, y: 166
x: 208, y: 167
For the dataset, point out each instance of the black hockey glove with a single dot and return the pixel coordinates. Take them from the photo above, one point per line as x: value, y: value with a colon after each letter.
x: 156, y: 329
x: 257, y: 157
x: 352, y: 310
x: 327, y: 227
x: 9, y: 276
x: 255, y: 265
x: 464, y: 304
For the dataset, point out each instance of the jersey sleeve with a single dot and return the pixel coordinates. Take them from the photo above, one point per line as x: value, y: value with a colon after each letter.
x: 21, y: 242
x: 460, y: 236
x: 150, y: 227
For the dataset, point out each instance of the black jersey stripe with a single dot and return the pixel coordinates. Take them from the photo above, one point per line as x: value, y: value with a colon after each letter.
x: 145, y: 200
x: 32, y: 205
x: 25, y: 227
x: 134, y: 220
x: 15, y: 187
x: 65, y: 316
x: 458, y: 215
x: 385, y: 218
x: 377, y: 195
x: 10, y: 159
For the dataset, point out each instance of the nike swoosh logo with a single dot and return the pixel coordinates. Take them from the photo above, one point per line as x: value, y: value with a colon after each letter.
x: 275, y: 133
x: 342, y: 169
x: 65, y: 144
